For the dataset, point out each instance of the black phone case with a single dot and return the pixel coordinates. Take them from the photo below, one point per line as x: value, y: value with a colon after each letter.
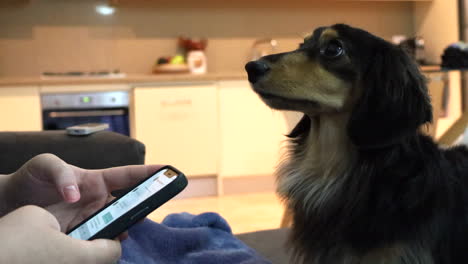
x: 140, y: 211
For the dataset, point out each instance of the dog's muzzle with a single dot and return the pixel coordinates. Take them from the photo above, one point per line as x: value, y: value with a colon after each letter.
x: 256, y: 70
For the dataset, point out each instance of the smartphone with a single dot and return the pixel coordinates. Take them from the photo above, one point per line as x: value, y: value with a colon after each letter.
x: 140, y: 200
x: 86, y: 129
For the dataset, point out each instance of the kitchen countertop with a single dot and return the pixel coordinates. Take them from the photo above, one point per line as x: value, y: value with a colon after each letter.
x: 129, y: 79
x: 140, y: 78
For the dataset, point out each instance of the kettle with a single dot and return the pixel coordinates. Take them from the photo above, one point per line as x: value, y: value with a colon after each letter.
x: 263, y: 47
x: 415, y: 47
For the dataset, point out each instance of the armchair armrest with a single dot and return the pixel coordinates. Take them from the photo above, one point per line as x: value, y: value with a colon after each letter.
x: 96, y: 151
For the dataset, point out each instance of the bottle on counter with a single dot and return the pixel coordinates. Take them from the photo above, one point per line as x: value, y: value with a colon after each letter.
x: 195, y: 54
x: 196, y: 60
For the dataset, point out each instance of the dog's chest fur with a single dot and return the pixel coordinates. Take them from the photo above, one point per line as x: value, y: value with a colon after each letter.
x: 315, y: 168
x: 315, y: 173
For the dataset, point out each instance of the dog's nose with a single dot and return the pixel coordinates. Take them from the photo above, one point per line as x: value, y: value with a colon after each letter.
x: 256, y: 69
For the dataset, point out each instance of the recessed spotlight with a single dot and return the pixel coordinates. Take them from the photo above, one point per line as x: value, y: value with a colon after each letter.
x: 105, y: 10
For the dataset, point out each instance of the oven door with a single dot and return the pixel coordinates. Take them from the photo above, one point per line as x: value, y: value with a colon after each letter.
x: 58, y: 119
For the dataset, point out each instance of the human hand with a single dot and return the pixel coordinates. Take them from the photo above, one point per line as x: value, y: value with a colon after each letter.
x: 70, y: 193
x: 30, y: 234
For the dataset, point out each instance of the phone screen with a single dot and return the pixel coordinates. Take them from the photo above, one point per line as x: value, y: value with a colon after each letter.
x: 120, y: 206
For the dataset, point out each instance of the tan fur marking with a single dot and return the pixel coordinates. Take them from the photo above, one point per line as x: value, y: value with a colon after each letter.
x: 307, y: 38
x: 318, y: 172
x: 329, y: 33
x: 295, y: 76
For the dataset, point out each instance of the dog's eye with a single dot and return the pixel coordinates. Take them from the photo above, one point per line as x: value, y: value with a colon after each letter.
x: 333, y: 49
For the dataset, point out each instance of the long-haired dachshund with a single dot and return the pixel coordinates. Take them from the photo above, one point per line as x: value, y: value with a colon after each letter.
x: 365, y: 186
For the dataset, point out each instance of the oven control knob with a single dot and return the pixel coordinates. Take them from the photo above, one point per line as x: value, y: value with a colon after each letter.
x: 113, y: 99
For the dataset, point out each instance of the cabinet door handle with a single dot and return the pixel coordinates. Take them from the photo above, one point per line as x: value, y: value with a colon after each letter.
x: 177, y: 102
x: 86, y: 113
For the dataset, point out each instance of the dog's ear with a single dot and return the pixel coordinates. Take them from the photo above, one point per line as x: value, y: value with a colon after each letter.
x: 394, y: 101
x: 302, y: 127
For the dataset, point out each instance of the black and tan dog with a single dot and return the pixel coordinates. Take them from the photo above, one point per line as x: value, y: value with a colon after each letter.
x: 364, y: 184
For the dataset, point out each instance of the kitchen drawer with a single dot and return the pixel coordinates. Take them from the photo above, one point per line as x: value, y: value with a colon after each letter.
x: 251, y: 132
x: 20, y: 109
x: 179, y: 126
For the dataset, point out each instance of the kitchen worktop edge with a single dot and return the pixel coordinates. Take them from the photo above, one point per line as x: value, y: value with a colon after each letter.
x: 133, y: 79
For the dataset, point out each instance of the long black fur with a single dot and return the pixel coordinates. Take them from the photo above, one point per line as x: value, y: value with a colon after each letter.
x: 402, y: 191
x: 403, y: 188
x: 410, y: 192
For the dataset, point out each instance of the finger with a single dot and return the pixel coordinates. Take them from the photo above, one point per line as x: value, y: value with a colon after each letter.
x: 103, y: 251
x: 127, y: 176
x: 123, y: 236
x: 110, y: 198
x: 51, y: 168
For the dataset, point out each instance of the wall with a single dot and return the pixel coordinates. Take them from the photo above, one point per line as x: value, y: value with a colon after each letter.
x: 59, y: 35
x: 438, y: 23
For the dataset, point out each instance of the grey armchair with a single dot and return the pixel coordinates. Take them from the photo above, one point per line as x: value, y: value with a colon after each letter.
x: 96, y: 151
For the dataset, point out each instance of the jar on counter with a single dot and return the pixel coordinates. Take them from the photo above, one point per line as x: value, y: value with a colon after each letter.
x: 196, y: 60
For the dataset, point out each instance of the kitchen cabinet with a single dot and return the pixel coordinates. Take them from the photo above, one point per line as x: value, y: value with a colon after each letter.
x: 246, y: 3
x: 179, y: 125
x: 20, y: 109
x: 13, y: 3
x: 251, y: 133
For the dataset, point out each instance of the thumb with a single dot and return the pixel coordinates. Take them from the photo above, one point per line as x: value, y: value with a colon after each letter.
x: 26, y: 213
x: 103, y: 251
x: 57, y: 171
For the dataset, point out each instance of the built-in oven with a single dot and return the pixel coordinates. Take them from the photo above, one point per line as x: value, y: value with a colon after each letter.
x: 60, y: 111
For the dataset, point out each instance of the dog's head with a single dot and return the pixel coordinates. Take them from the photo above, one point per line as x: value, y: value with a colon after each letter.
x: 340, y: 69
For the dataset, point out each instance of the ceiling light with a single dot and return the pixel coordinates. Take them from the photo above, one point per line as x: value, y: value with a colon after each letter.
x: 105, y: 10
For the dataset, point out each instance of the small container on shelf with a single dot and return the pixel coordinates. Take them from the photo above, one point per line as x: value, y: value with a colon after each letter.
x: 196, y: 60
x: 195, y: 54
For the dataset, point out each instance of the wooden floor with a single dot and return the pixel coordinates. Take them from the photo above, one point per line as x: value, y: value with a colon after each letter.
x: 244, y: 212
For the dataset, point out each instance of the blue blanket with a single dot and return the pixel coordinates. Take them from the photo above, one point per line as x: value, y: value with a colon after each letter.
x: 186, y: 239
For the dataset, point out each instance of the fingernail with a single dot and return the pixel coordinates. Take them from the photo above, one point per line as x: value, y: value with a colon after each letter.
x: 71, y: 193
